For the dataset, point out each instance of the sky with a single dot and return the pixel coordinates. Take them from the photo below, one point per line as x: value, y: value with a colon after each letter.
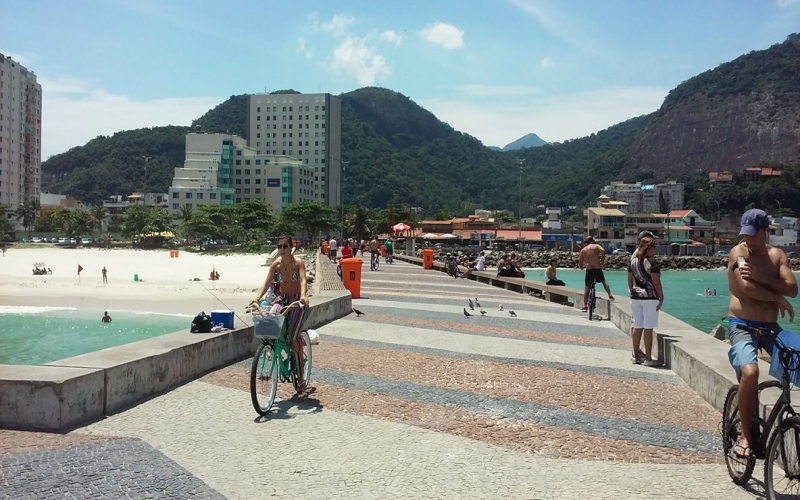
x: 495, y: 69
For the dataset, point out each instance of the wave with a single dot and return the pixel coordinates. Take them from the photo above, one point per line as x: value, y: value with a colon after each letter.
x: 33, y: 309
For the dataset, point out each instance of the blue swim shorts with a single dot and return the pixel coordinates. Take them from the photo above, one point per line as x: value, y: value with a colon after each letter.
x: 745, y: 345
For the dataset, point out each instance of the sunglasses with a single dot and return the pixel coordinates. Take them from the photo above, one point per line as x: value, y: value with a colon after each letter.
x: 283, y: 246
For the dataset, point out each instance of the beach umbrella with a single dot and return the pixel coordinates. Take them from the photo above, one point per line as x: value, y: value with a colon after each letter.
x: 401, y: 226
x: 449, y: 236
x: 428, y: 236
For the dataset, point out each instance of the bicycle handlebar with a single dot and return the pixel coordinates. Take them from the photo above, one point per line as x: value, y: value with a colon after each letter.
x: 284, y: 310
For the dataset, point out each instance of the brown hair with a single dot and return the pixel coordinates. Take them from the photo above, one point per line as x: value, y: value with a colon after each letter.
x: 644, y: 244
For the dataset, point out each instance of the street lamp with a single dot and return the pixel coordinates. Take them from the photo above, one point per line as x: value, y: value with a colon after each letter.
x: 521, y: 161
x: 341, y: 189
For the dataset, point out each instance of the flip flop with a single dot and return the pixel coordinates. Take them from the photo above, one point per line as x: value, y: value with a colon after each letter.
x: 746, y: 452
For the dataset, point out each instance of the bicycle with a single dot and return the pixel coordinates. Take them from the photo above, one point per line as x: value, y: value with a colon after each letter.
x: 375, y: 261
x: 451, y: 264
x: 275, y: 360
x: 389, y: 258
x: 781, y: 457
x: 591, y: 304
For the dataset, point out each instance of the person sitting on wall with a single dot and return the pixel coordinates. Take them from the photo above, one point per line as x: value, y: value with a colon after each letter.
x: 550, y: 275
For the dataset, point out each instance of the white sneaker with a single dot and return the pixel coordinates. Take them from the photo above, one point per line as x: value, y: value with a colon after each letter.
x: 652, y: 362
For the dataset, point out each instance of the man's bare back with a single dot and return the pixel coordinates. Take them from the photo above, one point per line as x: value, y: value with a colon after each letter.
x: 761, y: 304
x: 592, y: 256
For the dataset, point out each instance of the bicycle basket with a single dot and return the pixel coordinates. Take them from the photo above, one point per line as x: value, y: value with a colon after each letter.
x: 268, y: 326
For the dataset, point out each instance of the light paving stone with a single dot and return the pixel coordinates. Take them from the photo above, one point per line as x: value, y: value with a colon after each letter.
x: 212, y: 432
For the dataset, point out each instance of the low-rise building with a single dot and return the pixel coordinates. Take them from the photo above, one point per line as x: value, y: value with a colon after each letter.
x: 783, y: 231
x: 119, y: 204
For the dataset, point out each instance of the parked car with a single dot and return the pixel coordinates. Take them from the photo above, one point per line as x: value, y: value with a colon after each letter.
x: 621, y: 252
x: 36, y: 239
x: 721, y: 253
x: 86, y: 241
x: 792, y: 254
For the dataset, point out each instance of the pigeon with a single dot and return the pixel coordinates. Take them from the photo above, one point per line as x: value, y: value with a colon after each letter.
x: 476, y: 302
x: 466, y: 313
x: 483, y: 313
x: 471, y: 305
x: 512, y: 313
x: 500, y: 307
x: 358, y: 313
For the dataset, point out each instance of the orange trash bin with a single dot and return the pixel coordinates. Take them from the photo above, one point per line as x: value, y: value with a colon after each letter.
x: 383, y: 251
x: 427, y: 258
x: 351, y: 275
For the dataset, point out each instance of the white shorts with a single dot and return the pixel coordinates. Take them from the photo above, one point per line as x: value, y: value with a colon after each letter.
x: 644, y: 313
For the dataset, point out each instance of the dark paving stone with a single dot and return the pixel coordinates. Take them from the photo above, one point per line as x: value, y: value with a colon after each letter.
x: 615, y: 428
x: 127, y: 468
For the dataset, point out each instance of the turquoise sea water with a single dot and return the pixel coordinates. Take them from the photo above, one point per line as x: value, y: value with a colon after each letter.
x: 683, y: 293
x: 36, y: 335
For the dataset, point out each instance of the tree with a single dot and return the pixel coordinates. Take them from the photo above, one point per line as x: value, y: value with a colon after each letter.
x: 662, y: 203
x: 311, y: 217
x: 443, y: 214
x: 98, y: 214
x: 186, y: 212
x: 141, y: 220
x: 255, y: 218
x: 44, y: 224
x: 27, y: 213
x: 6, y: 228
x: 73, y: 223
x: 359, y: 223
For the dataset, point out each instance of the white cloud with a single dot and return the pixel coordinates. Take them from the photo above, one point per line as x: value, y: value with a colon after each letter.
x: 337, y: 25
x: 353, y: 56
x: 444, y: 34
x: 502, y: 91
x: 74, y: 112
x: 391, y: 37
x: 302, y: 49
x: 15, y: 56
x: 558, y: 118
x: 547, y: 62
x: 787, y: 3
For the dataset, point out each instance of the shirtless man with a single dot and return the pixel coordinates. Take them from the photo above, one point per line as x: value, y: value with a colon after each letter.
x: 592, y: 258
x: 759, y: 278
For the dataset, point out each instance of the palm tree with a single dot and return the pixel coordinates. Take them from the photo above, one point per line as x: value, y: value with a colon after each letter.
x: 98, y: 214
x: 360, y: 223
x: 186, y: 212
x: 27, y: 213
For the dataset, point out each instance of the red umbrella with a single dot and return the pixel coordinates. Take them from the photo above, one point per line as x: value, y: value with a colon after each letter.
x: 401, y: 226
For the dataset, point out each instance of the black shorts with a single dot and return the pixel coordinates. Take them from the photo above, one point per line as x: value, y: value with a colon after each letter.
x: 594, y: 275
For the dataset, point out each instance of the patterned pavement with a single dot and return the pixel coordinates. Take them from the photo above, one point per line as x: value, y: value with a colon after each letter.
x: 412, y: 400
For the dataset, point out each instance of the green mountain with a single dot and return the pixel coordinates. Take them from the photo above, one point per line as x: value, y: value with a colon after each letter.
x: 526, y: 141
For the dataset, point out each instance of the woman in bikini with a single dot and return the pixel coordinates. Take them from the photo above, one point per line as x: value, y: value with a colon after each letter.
x: 286, y: 283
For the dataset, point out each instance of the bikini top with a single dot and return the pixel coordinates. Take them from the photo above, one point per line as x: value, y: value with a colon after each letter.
x: 295, y: 274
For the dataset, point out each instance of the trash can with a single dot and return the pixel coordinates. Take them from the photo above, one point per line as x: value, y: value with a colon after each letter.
x: 351, y: 275
x: 427, y: 258
x: 136, y: 277
x: 383, y: 251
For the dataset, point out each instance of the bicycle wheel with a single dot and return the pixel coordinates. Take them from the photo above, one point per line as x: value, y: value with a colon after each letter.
x: 306, y: 347
x: 782, y: 465
x: 591, y: 304
x: 740, y: 469
x: 264, y: 379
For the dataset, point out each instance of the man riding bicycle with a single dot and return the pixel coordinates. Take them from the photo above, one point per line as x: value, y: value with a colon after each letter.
x: 374, y: 249
x: 759, y: 278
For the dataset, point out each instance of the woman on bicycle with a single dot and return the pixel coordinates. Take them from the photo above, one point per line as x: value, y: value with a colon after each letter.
x: 286, y: 283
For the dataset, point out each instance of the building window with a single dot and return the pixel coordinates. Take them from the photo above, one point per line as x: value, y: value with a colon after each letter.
x: 238, y: 181
x: 188, y: 205
x: 258, y: 180
x: 246, y: 190
x: 175, y: 206
x: 247, y: 171
x: 247, y: 181
x: 175, y: 194
x: 238, y: 162
x: 199, y: 196
x: 258, y: 190
x: 188, y: 196
x: 212, y: 196
x: 238, y: 171
x: 246, y: 162
x: 238, y: 152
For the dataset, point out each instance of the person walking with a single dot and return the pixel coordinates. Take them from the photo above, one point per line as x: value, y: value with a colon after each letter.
x: 105, y: 276
x: 647, y: 297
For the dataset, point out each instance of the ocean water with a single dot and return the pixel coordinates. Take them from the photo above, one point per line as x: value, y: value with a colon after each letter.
x: 36, y: 335
x: 683, y: 293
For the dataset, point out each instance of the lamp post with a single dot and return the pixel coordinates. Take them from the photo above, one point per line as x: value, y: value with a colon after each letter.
x: 144, y: 190
x: 521, y: 161
x: 341, y: 189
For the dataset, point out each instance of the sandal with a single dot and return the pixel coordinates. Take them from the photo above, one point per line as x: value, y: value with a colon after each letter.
x: 746, y: 451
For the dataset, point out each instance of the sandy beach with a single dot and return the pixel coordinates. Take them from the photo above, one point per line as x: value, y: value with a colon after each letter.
x: 165, y: 284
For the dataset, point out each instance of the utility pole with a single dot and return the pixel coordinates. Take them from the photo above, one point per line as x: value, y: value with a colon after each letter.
x: 144, y: 191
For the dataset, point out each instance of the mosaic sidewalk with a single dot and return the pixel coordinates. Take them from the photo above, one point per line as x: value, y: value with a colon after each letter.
x: 412, y: 400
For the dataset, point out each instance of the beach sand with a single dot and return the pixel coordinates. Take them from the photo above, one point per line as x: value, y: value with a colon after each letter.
x: 165, y: 284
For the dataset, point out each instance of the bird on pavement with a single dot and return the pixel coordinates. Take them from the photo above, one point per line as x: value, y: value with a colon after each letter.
x: 512, y: 313
x: 476, y: 302
x: 483, y: 313
x: 358, y: 313
x: 471, y: 305
x: 466, y: 313
x: 499, y: 307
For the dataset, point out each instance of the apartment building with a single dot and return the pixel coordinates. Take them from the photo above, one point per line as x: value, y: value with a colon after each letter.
x: 645, y: 197
x: 20, y: 135
x: 307, y: 127
x: 220, y: 169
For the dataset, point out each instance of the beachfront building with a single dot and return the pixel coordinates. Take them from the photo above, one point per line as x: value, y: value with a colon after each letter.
x: 220, y: 169
x: 119, y: 204
x: 307, y: 127
x: 606, y: 225
x: 783, y: 231
x: 20, y: 136
x: 642, y: 197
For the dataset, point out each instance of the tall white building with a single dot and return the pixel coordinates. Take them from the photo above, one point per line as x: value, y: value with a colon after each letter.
x: 644, y: 198
x: 20, y: 135
x: 220, y: 169
x: 307, y: 127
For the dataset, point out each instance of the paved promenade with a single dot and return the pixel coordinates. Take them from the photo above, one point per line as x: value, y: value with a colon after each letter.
x: 412, y: 400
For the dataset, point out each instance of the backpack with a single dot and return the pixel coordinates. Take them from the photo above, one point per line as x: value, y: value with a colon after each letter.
x: 202, y: 323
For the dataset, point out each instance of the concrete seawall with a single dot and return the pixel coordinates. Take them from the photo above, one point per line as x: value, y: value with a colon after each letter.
x: 698, y: 358
x: 69, y: 392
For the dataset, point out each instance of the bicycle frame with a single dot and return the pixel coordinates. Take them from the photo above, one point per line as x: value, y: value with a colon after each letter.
x: 282, y: 355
